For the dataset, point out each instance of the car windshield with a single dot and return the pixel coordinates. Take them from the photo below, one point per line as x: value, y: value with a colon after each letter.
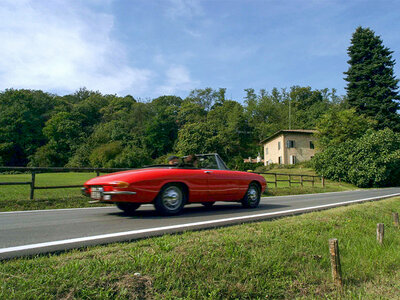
x: 203, y: 161
x: 210, y: 161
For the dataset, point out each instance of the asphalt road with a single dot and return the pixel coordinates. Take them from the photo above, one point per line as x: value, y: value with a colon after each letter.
x: 33, y: 232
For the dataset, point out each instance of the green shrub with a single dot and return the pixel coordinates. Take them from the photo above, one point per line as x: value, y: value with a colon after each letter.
x: 132, y: 157
x: 370, y: 161
x: 102, y: 156
x: 114, y: 155
x: 46, y: 156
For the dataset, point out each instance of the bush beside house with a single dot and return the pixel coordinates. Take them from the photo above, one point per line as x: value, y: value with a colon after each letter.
x: 370, y: 161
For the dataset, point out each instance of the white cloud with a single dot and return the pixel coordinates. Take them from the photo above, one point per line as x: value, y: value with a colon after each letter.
x: 62, y: 48
x: 177, y: 79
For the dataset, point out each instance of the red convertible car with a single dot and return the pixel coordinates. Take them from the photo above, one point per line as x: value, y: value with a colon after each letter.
x: 170, y: 187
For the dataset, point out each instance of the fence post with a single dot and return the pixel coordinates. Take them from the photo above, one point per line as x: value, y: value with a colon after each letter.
x: 323, y: 181
x: 276, y: 181
x: 396, y: 219
x: 335, y: 262
x: 313, y: 179
x: 290, y: 180
x: 301, y: 180
x: 380, y: 232
x: 33, y: 185
x: 97, y: 173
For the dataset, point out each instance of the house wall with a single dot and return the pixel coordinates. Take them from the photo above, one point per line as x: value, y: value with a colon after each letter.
x: 273, y: 152
x: 301, y: 149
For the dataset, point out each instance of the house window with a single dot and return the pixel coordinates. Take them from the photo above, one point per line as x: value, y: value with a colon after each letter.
x: 280, y: 160
x: 293, y: 159
x: 279, y: 145
x: 290, y: 144
x: 266, y: 150
x: 311, y: 145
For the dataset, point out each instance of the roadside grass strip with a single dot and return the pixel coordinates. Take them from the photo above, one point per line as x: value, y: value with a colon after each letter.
x: 286, y: 258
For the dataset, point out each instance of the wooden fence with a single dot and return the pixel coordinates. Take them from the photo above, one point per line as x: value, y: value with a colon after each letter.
x: 298, y: 179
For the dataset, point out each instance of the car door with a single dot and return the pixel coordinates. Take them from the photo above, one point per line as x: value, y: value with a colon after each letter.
x: 197, y: 182
x: 223, y: 185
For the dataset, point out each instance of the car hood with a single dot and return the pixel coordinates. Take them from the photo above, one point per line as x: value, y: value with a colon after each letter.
x: 129, y: 176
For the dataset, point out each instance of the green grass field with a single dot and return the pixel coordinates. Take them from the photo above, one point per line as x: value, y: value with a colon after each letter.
x: 17, y: 197
x: 287, y: 258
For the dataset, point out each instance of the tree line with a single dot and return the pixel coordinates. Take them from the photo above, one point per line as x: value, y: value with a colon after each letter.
x: 87, y: 128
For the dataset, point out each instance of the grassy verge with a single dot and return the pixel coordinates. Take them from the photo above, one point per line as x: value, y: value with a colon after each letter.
x: 297, y: 190
x: 286, y: 258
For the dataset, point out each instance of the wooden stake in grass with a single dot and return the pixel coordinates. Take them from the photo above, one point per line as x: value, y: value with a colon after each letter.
x: 380, y: 232
x: 335, y: 262
x: 396, y: 219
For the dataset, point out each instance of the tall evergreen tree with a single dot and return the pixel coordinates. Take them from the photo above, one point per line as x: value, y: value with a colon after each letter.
x: 372, y: 87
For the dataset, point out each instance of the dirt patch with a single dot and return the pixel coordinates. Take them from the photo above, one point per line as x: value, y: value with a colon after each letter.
x: 135, y: 287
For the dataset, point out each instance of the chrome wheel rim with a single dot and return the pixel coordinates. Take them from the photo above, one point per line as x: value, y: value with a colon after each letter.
x: 172, y: 197
x: 252, y: 194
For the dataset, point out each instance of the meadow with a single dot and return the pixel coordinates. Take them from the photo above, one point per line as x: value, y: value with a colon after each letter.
x: 287, y: 258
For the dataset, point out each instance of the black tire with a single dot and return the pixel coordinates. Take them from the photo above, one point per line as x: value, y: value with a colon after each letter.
x: 252, y: 197
x: 208, y: 204
x: 170, y: 200
x: 128, y: 207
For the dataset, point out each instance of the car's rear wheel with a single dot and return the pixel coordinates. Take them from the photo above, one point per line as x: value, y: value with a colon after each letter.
x: 128, y: 207
x: 208, y: 204
x: 252, y: 197
x: 170, y: 200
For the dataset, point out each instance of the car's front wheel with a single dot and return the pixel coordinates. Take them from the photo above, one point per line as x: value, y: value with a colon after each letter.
x: 170, y: 200
x: 252, y: 197
x: 128, y: 207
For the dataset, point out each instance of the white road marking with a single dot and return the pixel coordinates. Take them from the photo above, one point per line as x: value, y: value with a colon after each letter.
x: 180, y: 226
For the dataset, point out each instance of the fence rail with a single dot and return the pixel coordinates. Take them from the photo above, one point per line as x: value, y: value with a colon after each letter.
x: 36, y: 170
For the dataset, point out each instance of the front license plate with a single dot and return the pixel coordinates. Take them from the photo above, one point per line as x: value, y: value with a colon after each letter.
x: 95, y: 195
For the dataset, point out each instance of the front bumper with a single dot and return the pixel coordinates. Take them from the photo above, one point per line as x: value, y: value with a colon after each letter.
x: 97, y: 193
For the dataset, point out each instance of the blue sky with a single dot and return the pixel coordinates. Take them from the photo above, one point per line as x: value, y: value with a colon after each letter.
x: 148, y: 48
